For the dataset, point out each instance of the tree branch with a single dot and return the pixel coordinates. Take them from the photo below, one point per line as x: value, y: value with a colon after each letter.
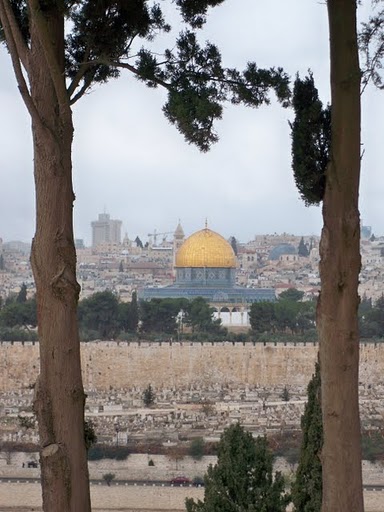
x: 83, y: 90
x: 15, y: 57
x: 22, y: 48
x: 131, y: 68
x: 80, y: 73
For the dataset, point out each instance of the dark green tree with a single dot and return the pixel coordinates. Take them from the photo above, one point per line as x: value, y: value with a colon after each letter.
x: 262, y: 317
x: 371, y: 318
x: 121, y: 267
x: 2, y: 264
x: 159, y: 315
x: 233, y: 243
x: 302, y: 250
x: 286, y: 313
x: 149, y: 396
x: 134, y: 312
x: 139, y: 243
x: 311, y: 135
x: 22, y: 295
x: 196, y: 448
x: 19, y: 314
x: 128, y: 315
x: 307, y: 487
x: 242, y: 480
x: 291, y: 294
x: 90, y: 436
x: 99, y: 312
x: 199, y: 315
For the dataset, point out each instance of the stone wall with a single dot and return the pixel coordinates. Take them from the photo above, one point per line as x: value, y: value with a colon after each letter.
x: 185, y: 365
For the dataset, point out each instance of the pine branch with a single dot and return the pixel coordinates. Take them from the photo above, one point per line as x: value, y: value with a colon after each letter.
x: 80, y: 74
x: 16, y: 60
x: 21, y: 47
x: 86, y: 85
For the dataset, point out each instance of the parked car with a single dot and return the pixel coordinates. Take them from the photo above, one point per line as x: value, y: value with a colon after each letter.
x: 198, y: 481
x: 180, y: 480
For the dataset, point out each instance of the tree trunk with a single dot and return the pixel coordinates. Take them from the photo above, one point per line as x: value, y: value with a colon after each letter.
x: 339, y: 272
x: 59, y: 396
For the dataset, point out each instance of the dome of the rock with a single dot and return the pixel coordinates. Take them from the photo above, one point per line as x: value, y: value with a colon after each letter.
x: 205, y: 249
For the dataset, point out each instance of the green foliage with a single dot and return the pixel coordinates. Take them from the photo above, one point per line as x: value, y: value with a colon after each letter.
x: 22, y: 295
x: 371, y: 45
x: 106, y: 36
x: 151, y: 463
x: 90, y: 436
x: 103, y: 451
x: 262, y: 316
x: 100, y: 312
x: 128, y: 317
x: 242, y: 480
x: 291, y: 294
x: 149, y: 396
x: 159, y: 315
x: 2, y: 263
x: 17, y: 334
x: 307, y: 488
x: 199, y: 315
x: 108, y: 477
x: 17, y: 314
x: 286, y: 315
x: 196, y: 449
x: 311, y: 138
x: 372, y: 445
x: 233, y: 243
x: 302, y: 250
x: 371, y: 318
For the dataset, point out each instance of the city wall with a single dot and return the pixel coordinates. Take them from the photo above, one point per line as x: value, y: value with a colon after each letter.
x: 177, y: 365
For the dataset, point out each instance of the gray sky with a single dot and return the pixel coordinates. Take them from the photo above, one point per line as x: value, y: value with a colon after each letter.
x: 129, y: 161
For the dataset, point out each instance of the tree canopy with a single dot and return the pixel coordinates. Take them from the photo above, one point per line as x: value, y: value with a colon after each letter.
x: 106, y: 37
x: 243, y: 479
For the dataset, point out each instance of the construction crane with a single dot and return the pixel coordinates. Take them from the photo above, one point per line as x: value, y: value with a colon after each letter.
x: 155, y: 234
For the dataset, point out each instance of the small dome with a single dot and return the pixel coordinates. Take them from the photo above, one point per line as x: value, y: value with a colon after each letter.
x: 206, y: 249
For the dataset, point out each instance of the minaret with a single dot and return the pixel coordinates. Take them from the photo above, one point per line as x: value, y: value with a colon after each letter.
x: 178, y: 240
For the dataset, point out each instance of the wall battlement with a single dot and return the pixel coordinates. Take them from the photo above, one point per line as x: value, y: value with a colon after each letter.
x: 168, y: 365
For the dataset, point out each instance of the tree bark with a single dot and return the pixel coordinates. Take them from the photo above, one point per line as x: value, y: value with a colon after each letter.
x: 59, y: 395
x: 339, y: 272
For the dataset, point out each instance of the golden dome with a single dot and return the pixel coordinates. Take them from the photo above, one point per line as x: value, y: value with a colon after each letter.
x: 206, y: 248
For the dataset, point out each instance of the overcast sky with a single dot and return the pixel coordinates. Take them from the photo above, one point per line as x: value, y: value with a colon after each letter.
x: 130, y: 162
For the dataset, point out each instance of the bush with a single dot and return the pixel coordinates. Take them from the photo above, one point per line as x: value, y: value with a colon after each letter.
x: 196, y: 449
x: 108, y: 477
x: 103, y: 451
x: 372, y: 444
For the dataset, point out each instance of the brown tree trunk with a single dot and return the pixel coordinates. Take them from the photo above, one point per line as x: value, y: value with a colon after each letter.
x: 59, y: 397
x: 339, y: 272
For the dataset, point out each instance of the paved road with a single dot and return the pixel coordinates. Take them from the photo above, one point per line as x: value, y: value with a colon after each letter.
x: 142, y: 483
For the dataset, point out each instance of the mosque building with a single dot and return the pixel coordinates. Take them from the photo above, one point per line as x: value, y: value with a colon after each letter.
x: 205, y: 266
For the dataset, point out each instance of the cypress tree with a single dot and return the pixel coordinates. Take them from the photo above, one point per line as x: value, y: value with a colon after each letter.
x: 307, y: 488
